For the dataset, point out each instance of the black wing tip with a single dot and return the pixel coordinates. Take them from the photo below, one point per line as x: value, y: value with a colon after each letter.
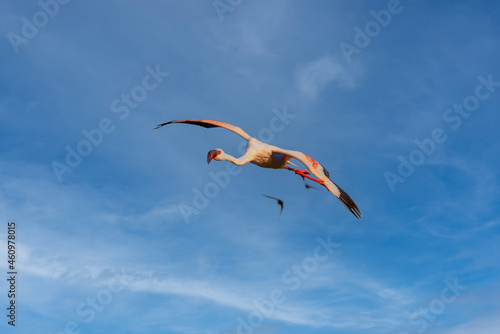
x: 160, y: 125
x: 187, y: 121
x: 349, y: 203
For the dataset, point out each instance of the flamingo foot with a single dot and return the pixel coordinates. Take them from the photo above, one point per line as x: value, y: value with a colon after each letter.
x: 304, y: 173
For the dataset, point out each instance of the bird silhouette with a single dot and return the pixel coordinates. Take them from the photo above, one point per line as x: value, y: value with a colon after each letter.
x: 280, y: 203
x: 308, y: 186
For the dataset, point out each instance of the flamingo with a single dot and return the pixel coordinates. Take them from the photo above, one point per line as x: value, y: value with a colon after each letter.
x: 270, y: 156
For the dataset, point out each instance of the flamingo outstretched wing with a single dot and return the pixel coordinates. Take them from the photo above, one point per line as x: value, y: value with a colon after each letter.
x: 321, y: 173
x: 208, y: 123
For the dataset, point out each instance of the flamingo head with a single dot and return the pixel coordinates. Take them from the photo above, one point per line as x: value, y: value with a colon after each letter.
x: 213, y: 154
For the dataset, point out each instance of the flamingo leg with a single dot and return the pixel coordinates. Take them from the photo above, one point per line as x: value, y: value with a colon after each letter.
x: 304, y: 173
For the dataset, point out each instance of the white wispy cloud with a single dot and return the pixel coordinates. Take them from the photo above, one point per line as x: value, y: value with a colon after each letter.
x: 74, y: 267
x: 247, y: 31
x: 480, y: 325
x: 313, y: 77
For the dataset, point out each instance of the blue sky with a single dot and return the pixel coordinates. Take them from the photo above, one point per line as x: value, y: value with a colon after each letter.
x: 399, y: 100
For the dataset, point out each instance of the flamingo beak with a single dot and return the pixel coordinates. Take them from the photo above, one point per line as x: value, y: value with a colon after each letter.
x: 212, y: 154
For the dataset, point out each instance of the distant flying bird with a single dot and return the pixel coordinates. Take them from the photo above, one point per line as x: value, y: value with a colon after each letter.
x: 270, y: 156
x: 308, y: 186
x: 280, y: 203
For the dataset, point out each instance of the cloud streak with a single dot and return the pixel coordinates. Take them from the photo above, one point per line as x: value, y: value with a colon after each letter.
x: 314, y: 77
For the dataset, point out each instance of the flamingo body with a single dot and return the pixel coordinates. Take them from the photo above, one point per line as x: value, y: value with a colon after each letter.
x: 264, y: 156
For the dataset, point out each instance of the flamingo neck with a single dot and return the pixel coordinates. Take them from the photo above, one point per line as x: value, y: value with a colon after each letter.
x: 237, y: 161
